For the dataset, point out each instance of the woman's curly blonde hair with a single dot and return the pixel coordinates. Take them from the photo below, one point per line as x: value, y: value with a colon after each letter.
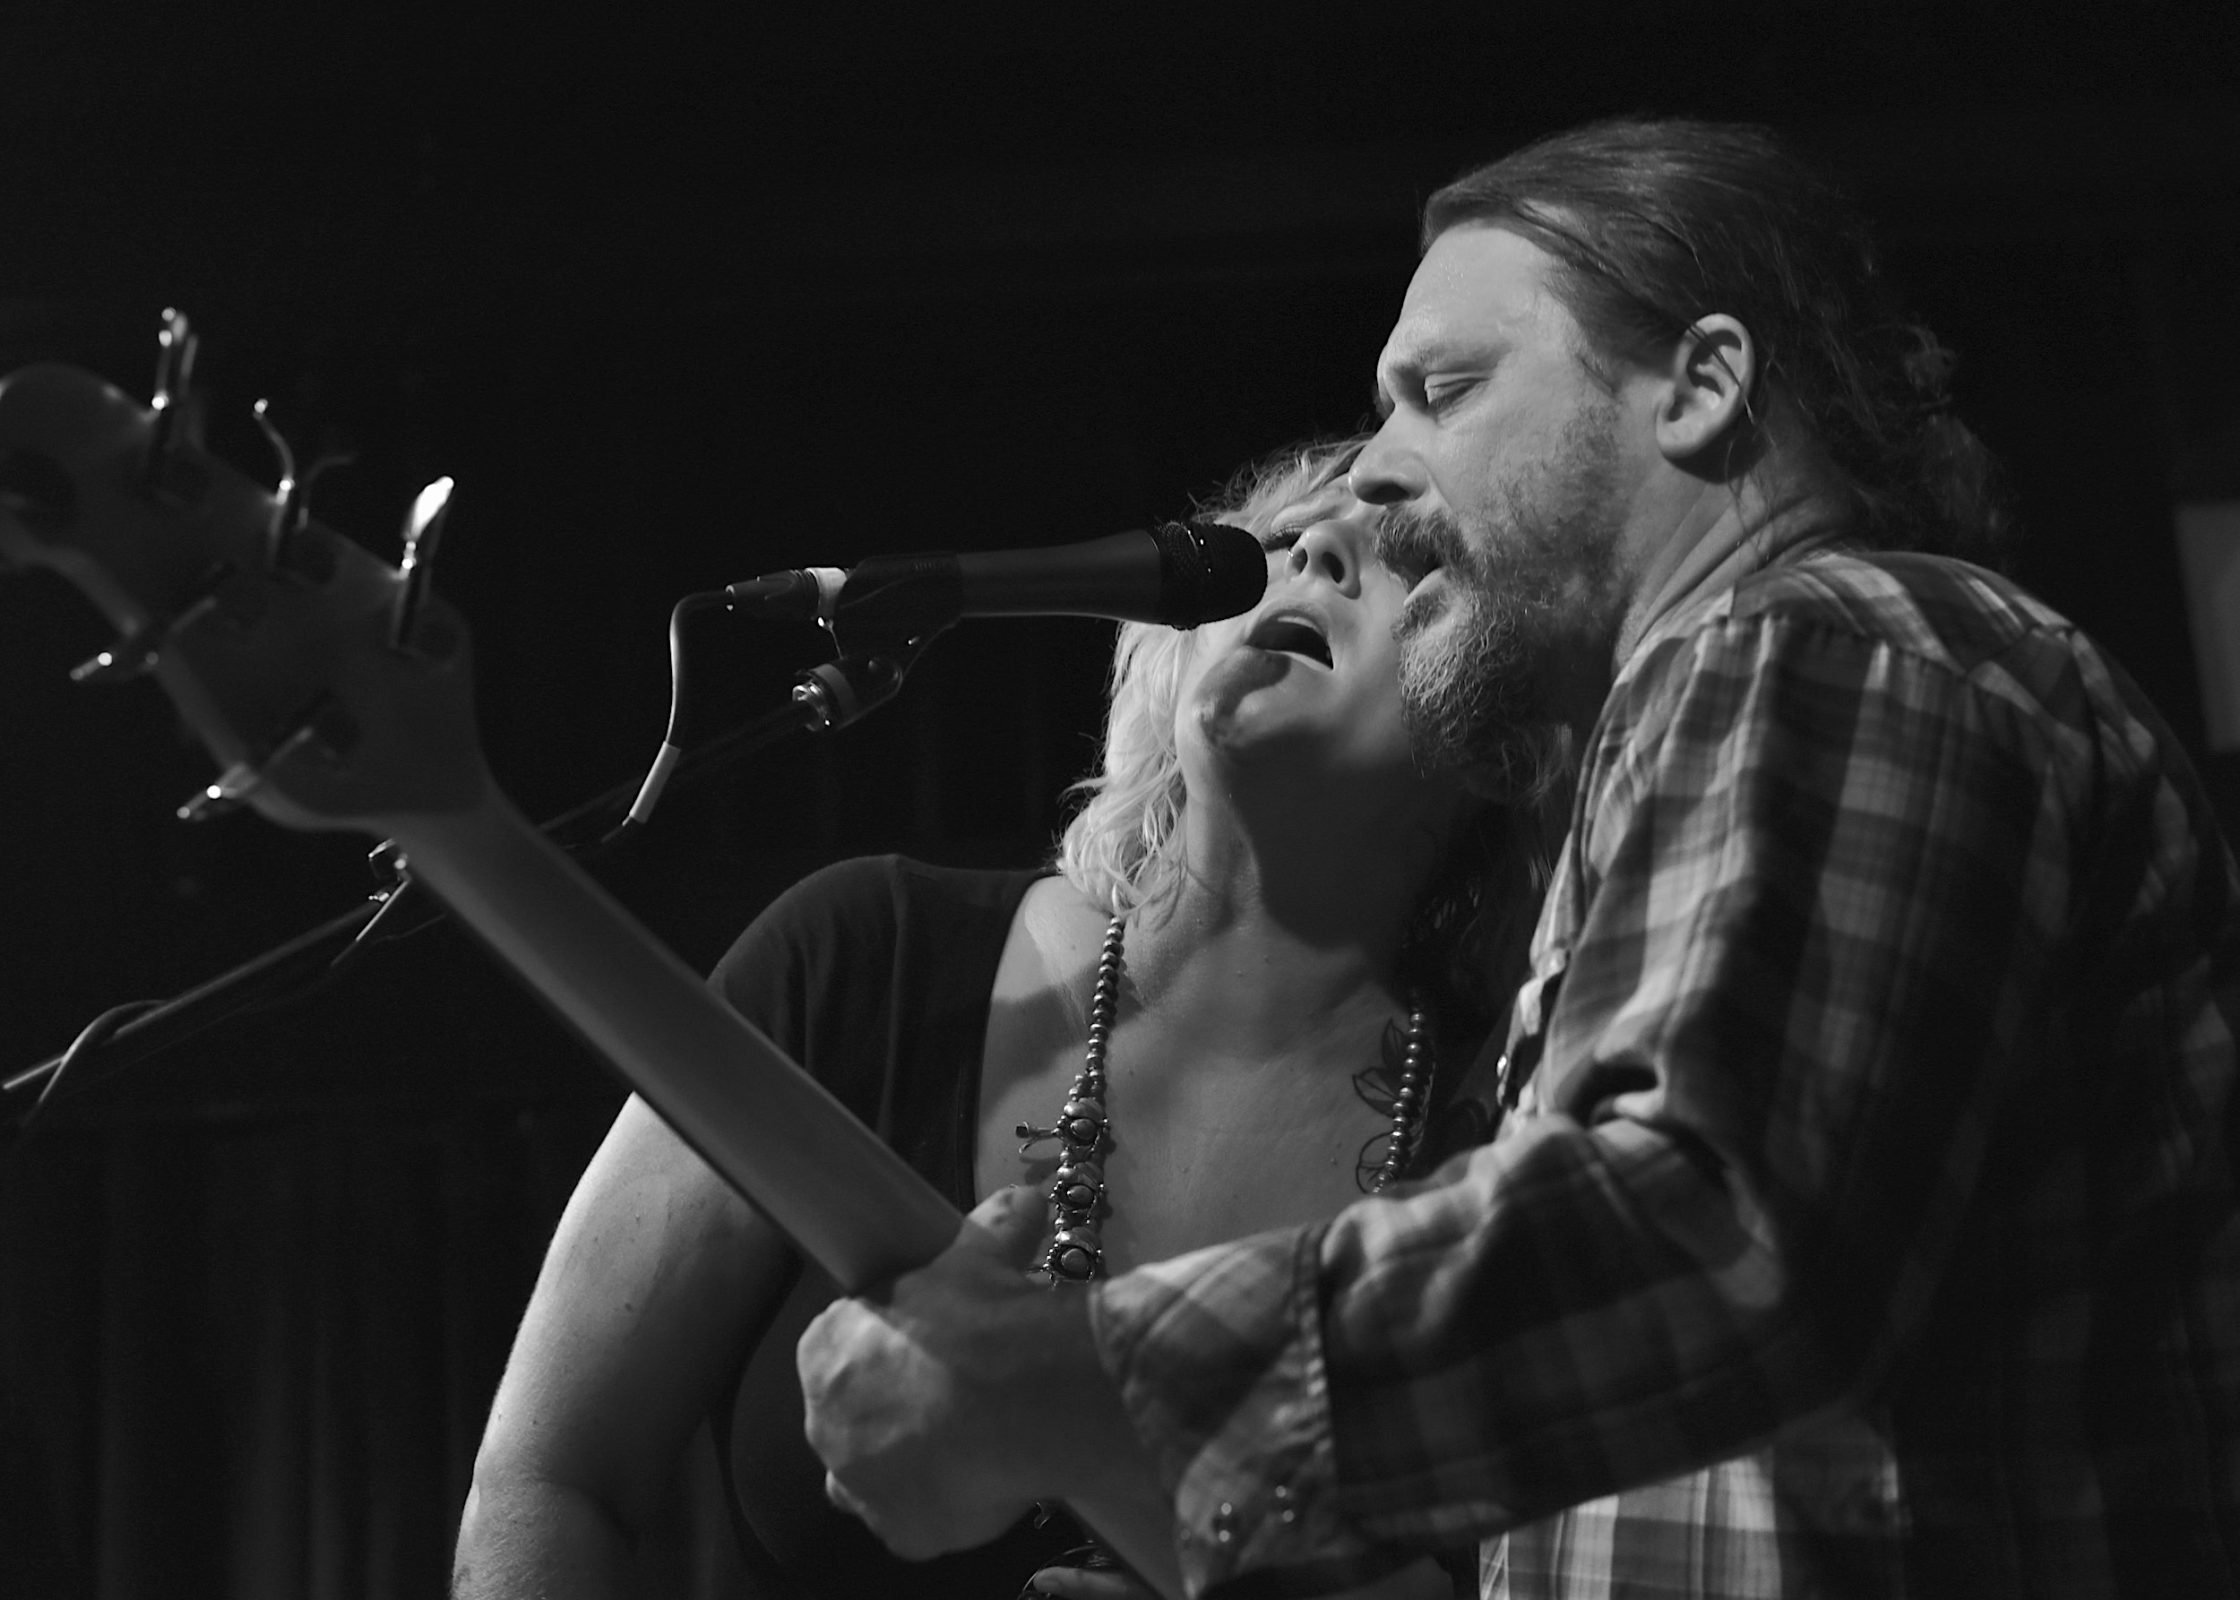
x: 1123, y: 846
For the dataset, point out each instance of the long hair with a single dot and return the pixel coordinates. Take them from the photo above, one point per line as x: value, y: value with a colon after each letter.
x: 1656, y: 223
x: 1122, y: 847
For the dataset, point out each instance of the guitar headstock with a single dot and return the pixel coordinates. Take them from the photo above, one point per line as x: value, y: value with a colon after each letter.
x: 331, y: 689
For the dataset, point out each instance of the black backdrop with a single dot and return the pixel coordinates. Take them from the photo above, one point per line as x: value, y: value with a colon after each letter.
x: 680, y: 294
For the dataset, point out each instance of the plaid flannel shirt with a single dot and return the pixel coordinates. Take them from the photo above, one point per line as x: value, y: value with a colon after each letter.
x: 1868, y: 1226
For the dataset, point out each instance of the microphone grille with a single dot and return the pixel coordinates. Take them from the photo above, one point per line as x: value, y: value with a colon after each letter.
x: 1207, y: 571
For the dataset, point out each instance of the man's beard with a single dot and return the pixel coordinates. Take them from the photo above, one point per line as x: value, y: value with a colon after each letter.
x: 1537, y: 583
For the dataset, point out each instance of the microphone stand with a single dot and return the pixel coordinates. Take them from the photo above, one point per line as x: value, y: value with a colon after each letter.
x: 824, y: 698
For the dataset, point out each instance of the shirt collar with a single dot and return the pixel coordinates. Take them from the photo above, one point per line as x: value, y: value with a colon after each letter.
x: 1727, y: 552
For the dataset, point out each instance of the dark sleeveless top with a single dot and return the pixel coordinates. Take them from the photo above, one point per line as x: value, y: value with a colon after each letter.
x: 875, y: 975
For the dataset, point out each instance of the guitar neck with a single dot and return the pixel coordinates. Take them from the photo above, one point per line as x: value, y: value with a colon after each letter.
x: 774, y: 1133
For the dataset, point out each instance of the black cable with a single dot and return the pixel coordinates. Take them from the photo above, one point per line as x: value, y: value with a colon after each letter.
x: 90, y: 1038
x: 672, y: 741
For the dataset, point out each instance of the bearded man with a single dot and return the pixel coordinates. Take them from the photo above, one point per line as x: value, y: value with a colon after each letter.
x: 1866, y: 1219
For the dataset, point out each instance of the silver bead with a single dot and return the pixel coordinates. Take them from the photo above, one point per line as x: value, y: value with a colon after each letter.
x: 1075, y: 1254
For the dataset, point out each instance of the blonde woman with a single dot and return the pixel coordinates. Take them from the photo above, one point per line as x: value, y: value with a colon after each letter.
x: 1250, y: 988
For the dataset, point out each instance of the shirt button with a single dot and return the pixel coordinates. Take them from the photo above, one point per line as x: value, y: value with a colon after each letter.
x: 1225, y: 1522
x: 1287, y: 1512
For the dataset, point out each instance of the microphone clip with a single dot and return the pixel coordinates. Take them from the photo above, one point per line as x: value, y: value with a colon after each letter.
x: 837, y: 693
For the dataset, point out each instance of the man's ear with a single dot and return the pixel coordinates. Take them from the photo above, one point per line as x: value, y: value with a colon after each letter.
x: 1714, y: 368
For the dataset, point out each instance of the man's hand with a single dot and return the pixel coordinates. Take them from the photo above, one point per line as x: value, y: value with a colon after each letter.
x: 946, y: 1406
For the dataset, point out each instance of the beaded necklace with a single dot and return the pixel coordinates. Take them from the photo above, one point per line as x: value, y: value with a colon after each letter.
x: 1076, y: 1252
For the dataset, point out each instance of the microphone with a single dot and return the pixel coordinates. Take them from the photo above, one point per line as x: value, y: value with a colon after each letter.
x: 1179, y: 574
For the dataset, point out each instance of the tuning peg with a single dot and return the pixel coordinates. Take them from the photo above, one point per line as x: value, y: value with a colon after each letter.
x: 173, y: 402
x: 176, y: 345
x: 229, y: 599
x: 224, y: 595
x: 233, y: 786
x: 287, y: 501
x: 128, y: 658
x: 423, y: 528
x: 285, y: 551
x: 325, y: 732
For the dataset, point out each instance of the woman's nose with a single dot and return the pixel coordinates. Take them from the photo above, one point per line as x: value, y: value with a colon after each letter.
x: 1331, y: 550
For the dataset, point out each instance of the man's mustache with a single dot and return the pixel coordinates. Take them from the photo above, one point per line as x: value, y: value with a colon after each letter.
x: 1411, y: 543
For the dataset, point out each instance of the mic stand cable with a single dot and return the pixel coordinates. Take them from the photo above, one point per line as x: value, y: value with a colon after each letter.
x: 824, y: 699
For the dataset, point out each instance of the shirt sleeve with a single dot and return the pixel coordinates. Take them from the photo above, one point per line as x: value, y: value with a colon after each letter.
x: 1814, y: 888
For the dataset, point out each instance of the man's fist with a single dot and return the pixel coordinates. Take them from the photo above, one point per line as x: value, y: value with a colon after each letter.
x: 947, y: 1405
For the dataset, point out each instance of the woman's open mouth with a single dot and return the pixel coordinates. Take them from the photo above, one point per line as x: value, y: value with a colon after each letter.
x: 1291, y: 634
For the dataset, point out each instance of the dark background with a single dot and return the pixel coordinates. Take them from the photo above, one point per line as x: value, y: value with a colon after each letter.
x: 680, y: 294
